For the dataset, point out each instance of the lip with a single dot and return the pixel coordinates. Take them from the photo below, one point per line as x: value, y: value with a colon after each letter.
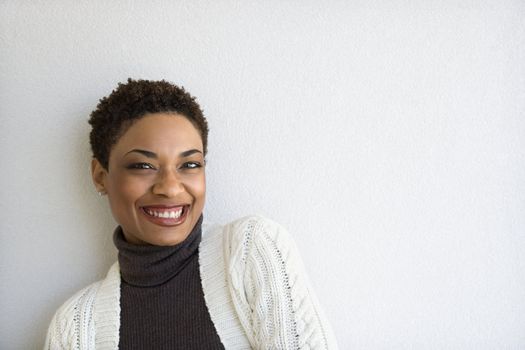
x: 161, y: 221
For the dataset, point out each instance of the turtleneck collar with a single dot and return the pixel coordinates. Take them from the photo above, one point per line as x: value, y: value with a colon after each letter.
x: 150, y: 265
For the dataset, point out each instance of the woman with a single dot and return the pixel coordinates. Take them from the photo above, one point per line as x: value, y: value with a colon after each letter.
x: 237, y: 286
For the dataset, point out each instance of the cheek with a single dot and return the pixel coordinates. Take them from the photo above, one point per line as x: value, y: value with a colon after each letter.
x: 197, y: 187
x: 125, y: 190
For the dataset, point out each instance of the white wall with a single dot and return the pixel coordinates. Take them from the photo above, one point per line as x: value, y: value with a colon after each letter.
x: 388, y: 137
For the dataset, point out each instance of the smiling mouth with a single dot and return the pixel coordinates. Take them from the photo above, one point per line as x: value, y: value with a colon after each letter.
x: 166, y: 216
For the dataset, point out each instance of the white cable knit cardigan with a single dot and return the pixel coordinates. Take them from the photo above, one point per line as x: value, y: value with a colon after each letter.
x: 254, y: 286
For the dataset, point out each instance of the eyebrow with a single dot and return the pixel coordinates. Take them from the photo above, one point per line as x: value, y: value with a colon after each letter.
x: 153, y: 155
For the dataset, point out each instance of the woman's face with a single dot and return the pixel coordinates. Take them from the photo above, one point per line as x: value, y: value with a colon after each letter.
x: 155, y: 180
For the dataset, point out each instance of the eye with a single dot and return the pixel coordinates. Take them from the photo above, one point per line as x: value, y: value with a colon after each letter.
x: 141, y: 166
x: 191, y: 165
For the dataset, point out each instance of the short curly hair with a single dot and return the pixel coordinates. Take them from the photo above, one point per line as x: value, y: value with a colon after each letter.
x: 131, y: 101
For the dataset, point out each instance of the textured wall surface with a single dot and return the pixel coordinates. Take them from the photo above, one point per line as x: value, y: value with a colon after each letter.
x: 388, y: 138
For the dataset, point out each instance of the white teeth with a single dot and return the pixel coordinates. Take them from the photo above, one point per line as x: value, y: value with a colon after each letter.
x: 165, y: 214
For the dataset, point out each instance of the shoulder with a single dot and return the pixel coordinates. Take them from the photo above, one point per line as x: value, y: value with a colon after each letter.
x: 240, y: 236
x: 74, y: 314
x: 254, y: 222
x: 81, y: 301
x: 250, y: 242
x: 252, y: 230
x: 270, y: 289
x: 258, y: 242
x: 73, y: 325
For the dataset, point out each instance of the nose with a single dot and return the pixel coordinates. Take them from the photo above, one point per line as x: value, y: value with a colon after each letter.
x: 167, y: 184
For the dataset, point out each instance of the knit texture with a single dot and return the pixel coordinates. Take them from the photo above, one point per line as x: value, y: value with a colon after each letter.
x: 255, y: 289
x: 270, y: 290
x: 150, y: 265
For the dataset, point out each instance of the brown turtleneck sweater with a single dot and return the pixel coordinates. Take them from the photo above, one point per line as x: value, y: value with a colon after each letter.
x: 161, y: 298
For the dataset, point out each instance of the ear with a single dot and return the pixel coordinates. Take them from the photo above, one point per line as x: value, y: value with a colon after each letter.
x: 99, y: 174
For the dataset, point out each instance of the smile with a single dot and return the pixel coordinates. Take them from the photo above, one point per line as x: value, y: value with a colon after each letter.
x: 166, y: 216
x: 172, y: 214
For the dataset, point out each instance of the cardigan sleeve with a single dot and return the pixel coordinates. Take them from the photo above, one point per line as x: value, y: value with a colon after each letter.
x: 272, y: 295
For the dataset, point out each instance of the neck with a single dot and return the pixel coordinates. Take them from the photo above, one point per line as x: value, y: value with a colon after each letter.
x: 149, y: 265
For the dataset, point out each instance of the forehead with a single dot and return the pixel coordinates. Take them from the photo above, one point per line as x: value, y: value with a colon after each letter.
x: 160, y: 131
